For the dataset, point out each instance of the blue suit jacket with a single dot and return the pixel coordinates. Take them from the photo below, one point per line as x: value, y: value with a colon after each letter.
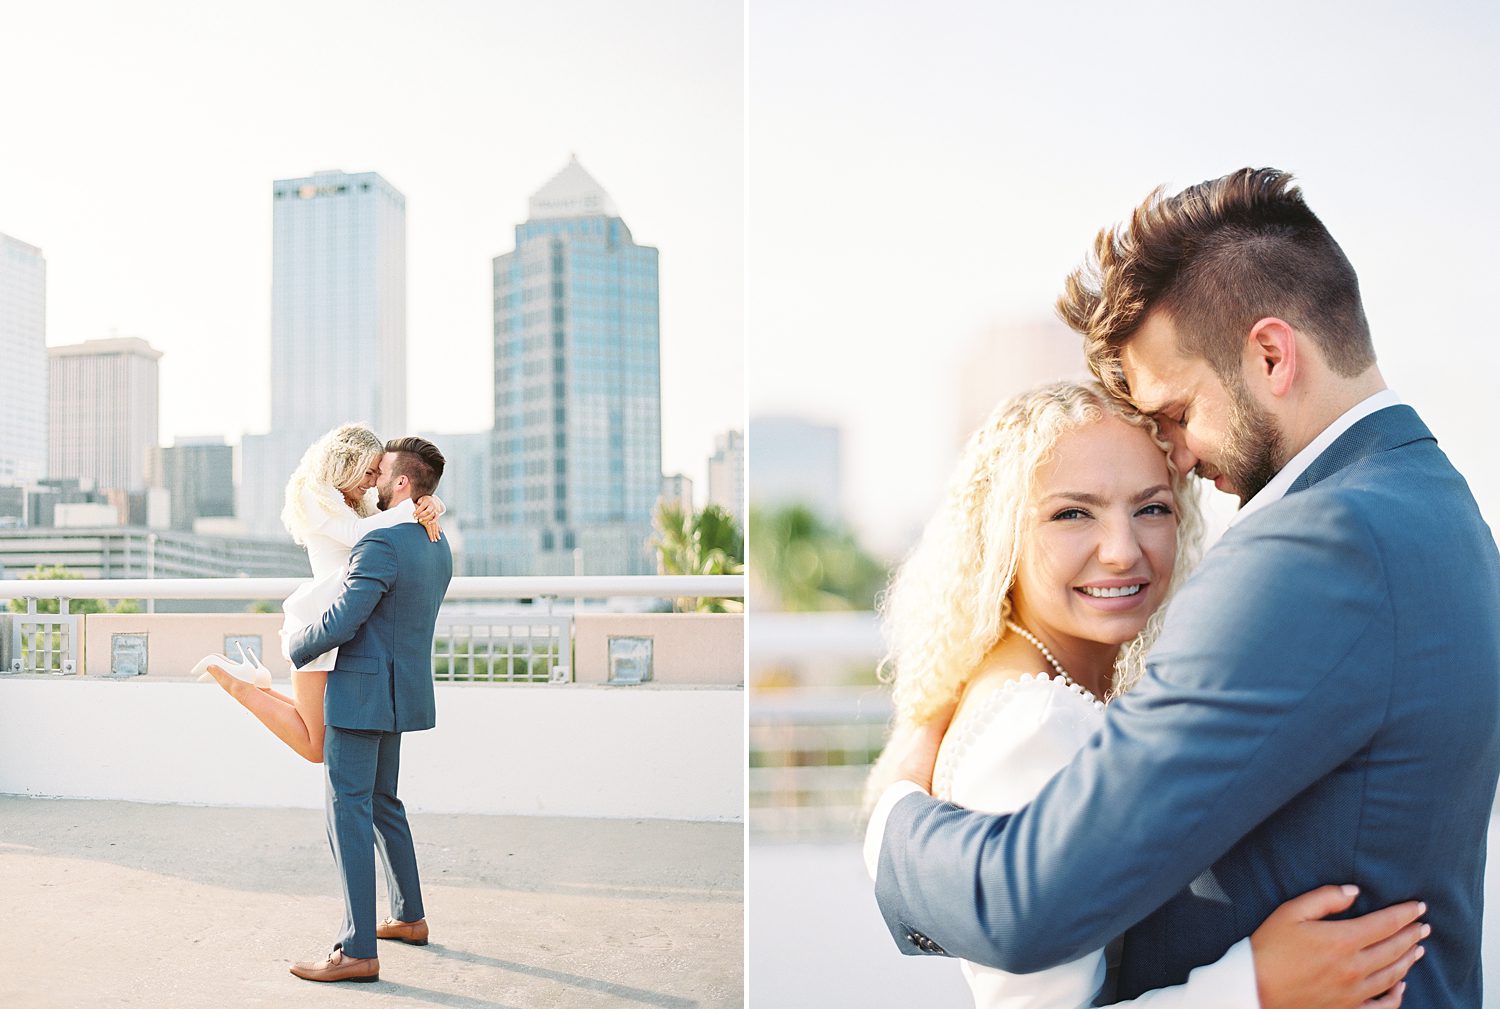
x: 1323, y: 706
x: 382, y: 624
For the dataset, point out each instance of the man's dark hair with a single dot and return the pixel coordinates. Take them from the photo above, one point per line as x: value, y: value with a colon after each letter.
x: 1216, y: 258
x: 419, y: 461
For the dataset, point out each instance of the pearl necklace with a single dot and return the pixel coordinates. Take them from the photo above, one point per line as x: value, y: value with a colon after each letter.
x: 1062, y: 674
x: 1036, y: 643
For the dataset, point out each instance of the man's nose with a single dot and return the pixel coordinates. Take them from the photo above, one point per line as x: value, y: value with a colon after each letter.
x: 1183, y: 458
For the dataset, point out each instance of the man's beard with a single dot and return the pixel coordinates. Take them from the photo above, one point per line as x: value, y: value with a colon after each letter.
x: 1251, y: 453
x: 382, y: 497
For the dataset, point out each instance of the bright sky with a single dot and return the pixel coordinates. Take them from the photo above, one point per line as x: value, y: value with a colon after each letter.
x: 920, y: 174
x: 140, y: 142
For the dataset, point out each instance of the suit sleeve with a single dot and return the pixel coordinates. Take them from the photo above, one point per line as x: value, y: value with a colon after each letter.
x: 372, y: 572
x: 1272, y: 670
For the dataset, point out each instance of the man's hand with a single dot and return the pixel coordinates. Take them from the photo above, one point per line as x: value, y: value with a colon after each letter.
x: 913, y: 749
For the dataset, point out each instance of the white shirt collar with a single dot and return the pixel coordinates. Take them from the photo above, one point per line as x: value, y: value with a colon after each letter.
x: 1282, y: 481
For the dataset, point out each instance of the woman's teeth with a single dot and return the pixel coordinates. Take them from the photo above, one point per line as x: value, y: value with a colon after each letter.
x: 1124, y: 590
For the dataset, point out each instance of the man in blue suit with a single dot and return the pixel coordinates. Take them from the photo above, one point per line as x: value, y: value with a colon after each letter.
x: 380, y: 686
x: 1323, y: 703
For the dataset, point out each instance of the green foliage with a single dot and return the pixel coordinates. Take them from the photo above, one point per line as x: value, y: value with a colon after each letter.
x: 708, y: 542
x: 75, y: 606
x: 263, y: 606
x: 805, y: 563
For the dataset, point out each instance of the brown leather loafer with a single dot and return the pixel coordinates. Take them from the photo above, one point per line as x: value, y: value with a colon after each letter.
x: 339, y: 967
x: 413, y: 932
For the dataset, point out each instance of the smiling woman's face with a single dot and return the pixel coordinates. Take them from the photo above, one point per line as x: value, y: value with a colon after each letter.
x: 366, y: 481
x: 1102, y: 539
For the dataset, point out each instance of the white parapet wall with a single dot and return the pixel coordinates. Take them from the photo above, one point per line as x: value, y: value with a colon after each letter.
x: 646, y: 751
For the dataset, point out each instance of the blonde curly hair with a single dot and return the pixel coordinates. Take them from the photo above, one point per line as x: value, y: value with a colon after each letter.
x: 946, y: 607
x: 334, y: 463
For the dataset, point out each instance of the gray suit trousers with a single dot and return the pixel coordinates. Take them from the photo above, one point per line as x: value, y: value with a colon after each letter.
x: 364, y: 813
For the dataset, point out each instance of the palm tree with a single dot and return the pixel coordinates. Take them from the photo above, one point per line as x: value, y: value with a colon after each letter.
x: 805, y: 563
x: 708, y: 542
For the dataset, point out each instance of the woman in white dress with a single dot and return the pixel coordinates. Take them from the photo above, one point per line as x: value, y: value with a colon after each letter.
x: 1030, y: 601
x: 329, y: 507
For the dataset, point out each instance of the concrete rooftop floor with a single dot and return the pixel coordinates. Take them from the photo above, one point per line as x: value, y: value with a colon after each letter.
x: 165, y: 906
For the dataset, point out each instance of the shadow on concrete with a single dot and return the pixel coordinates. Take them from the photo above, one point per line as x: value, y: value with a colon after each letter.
x: 573, y: 980
x: 427, y: 996
x: 286, y: 850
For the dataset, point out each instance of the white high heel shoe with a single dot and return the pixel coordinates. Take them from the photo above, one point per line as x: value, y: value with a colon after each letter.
x: 249, y: 668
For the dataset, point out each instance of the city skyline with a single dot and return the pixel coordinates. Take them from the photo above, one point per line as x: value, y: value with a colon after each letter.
x: 131, y: 251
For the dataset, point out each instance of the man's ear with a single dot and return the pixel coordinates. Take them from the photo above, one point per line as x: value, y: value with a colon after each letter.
x: 1271, y: 356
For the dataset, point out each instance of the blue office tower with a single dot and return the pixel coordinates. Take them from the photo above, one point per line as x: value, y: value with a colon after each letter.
x: 577, y: 433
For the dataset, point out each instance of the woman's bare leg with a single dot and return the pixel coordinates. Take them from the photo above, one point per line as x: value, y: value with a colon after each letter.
x: 308, y: 688
x: 299, y: 723
x: 279, y: 696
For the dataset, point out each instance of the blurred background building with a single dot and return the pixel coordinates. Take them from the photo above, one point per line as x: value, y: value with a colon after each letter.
x: 103, y: 412
x: 338, y: 326
x: 797, y: 462
x: 465, y: 486
x: 677, y: 489
x: 198, y: 476
x: 23, y: 351
x: 726, y: 474
x: 1005, y: 359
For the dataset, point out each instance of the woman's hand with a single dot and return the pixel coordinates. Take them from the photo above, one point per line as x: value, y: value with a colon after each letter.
x: 1304, y: 962
x: 427, y: 513
x: 912, y: 751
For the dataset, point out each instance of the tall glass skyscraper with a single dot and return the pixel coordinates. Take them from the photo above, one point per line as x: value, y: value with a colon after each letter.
x: 23, y: 351
x: 338, y: 325
x: 577, y: 434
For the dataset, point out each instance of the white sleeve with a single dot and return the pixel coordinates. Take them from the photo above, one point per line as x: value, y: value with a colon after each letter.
x: 347, y: 529
x: 875, y: 832
x: 1227, y: 983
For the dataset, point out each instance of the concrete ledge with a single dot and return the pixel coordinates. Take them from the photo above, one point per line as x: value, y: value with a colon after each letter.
x: 178, y: 640
x: 686, y: 647
x: 646, y: 751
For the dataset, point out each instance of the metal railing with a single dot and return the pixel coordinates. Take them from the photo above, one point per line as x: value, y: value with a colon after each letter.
x: 518, y: 647
x: 812, y: 735
x: 39, y: 642
x: 506, y: 648
x: 810, y: 755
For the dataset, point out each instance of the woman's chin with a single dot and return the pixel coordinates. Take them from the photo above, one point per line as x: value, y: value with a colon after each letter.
x: 1111, y: 629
